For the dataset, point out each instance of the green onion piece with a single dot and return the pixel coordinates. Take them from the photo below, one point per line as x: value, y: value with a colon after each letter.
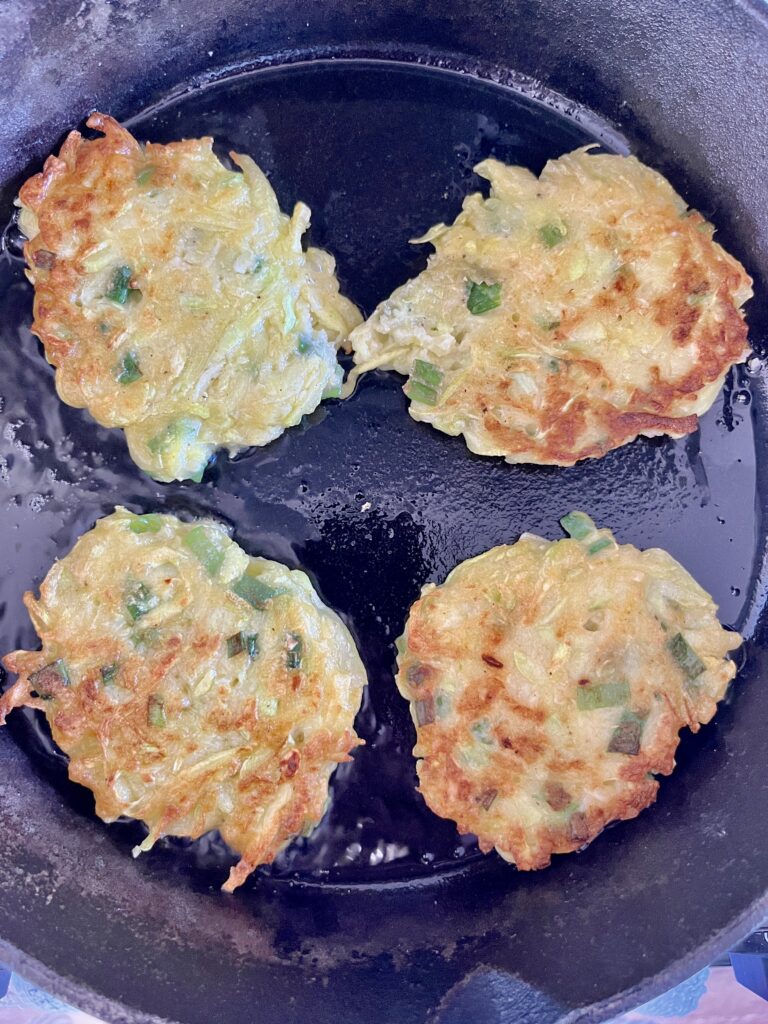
x: 483, y: 297
x: 427, y: 373
x: 121, y: 289
x: 49, y: 679
x: 486, y: 797
x: 207, y: 547
x: 420, y: 392
x: 425, y: 711
x: 108, y: 674
x: 104, y: 327
x: 294, y: 651
x: 599, y: 545
x: 685, y: 656
x: 592, y: 696
x: 481, y: 730
x: 305, y: 345
x: 243, y: 642
x: 626, y: 736
x: 332, y: 391
x: 442, y: 704
x: 417, y: 674
x: 255, y: 591
x: 156, y: 711
x: 552, y: 234
x: 145, y: 175
x: 140, y: 600
x: 577, y: 525
x: 149, y: 523
x: 128, y: 369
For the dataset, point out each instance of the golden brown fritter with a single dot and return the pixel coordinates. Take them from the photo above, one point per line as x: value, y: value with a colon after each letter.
x: 565, y: 314
x: 549, y: 681
x: 191, y: 686
x: 174, y: 298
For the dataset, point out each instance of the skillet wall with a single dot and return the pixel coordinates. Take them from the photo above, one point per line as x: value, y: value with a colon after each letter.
x: 687, y: 82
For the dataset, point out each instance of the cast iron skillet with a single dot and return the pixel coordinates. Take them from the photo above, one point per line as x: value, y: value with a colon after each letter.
x: 374, y: 114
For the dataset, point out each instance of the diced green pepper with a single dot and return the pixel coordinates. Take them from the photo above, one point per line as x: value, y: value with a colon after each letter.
x: 149, y: 523
x: 50, y: 678
x: 156, y: 711
x: 627, y: 734
x: 591, y: 696
x: 685, y: 656
x: 255, y: 591
x: 577, y: 525
x: 208, y: 547
x: 483, y: 297
x: 128, y: 371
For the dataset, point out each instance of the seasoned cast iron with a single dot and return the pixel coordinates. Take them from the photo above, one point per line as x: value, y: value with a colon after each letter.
x: 374, y: 114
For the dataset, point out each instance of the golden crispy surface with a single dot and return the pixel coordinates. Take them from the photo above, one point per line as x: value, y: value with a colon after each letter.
x: 174, y: 298
x: 548, y: 683
x: 565, y: 314
x: 192, y: 687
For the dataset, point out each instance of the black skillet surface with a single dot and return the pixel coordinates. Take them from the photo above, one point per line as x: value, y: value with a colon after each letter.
x: 384, y: 908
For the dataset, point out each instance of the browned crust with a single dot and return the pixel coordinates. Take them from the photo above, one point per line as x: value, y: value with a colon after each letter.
x: 522, y: 749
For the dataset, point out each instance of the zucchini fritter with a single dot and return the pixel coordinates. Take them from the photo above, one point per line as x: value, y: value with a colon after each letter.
x: 549, y: 681
x: 191, y: 686
x: 564, y: 315
x: 174, y: 298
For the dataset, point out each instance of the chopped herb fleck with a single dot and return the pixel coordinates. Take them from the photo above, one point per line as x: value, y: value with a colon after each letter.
x: 149, y: 523
x: 49, y: 679
x: 305, y: 345
x: 156, y: 711
x: 552, y: 234
x: 685, y: 656
x: 591, y: 696
x: 128, y: 369
x: 577, y: 525
x: 255, y: 591
x: 626, y: 736
x: 483, y: 297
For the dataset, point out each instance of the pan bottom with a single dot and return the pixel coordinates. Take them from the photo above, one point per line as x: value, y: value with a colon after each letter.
x: 370, y: 503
